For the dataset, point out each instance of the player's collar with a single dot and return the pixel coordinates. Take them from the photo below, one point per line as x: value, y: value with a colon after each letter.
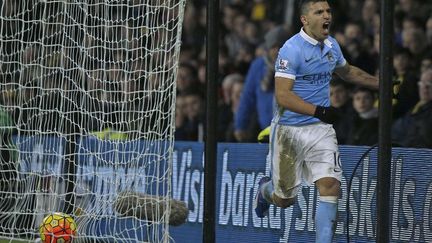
x: 311, y: 40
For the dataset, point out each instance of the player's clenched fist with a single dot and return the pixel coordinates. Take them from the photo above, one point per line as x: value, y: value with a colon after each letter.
x: 327, y: 114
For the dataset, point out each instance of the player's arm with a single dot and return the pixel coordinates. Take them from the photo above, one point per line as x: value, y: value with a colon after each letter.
x: 286, y: 68
x: 357, y: 76
x: 287, y: 99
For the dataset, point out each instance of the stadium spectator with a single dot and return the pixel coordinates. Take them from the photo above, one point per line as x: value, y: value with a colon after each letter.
x: 426, y: 62
x: 340, y: 98
x: 406, y: 91
x: 258, y: 92
x: 364, y: 127
x: 202, y: 72
x: 340, y: 94
x: 251, y: 34
x: 227, y: 87
x: 186, y: 77
x: 235, y: 95
x: 411, y: 22
x: 244, y: 57
x: 236, y: 39
x: 414, y: 7
x: 229, y: 13
x: 415, y: 41
x: 188, y: 54
x: 369, y: 12
x: 193, y: 30
x: 225, y: 116
x: 352, y: 32
x: 180, y: 118
x: 232, y: 88
x: 355, y: 47
x: 192, y: 128
x: 429, y: 30
x: 225, y: 65
x: 414, y: 129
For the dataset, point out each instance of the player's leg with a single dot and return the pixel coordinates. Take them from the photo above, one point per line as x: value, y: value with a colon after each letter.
x: 326, y: 212
x: 285, y: 172
x: 323, y: 167
x: 266, y: 196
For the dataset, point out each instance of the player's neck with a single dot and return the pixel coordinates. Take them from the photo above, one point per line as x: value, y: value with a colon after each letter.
x: 310, y: 34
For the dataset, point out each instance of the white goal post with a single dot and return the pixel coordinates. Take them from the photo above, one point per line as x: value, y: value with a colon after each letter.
x: 87, y: 116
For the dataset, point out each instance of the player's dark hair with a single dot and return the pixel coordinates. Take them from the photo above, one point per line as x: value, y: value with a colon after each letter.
x: 303, y: 6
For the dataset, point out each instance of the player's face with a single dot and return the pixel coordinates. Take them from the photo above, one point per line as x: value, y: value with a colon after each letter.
x: 317, y: 20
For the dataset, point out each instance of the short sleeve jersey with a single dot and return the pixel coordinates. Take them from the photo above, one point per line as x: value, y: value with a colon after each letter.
x: 310, y: 64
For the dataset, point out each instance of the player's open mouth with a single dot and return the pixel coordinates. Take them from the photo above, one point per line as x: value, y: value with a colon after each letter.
x: 326, y: 27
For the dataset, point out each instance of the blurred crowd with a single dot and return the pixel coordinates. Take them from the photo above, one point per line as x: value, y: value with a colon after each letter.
x: 251, y: 33
x: 68, y: 67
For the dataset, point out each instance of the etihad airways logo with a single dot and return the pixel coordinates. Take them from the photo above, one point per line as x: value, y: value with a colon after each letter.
x: 317, y: 78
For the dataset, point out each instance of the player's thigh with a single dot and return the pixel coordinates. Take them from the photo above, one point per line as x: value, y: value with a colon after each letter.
x: 323, y: 158
x: 286, y: 161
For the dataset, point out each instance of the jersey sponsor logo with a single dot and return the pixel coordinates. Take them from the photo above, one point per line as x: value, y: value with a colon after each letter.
x: 316, y: 76
x: 283, y: 64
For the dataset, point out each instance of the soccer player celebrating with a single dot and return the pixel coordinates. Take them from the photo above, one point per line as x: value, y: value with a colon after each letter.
x: 303, y: 142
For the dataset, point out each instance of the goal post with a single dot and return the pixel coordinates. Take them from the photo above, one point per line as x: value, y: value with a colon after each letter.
x: 87, y: 116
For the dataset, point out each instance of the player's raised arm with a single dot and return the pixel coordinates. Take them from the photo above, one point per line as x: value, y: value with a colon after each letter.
x: 357, y: 76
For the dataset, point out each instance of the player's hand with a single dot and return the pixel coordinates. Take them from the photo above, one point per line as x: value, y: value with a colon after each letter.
x: 327, y: 114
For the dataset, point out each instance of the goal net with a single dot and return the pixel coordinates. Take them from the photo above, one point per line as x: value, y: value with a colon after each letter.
x: 86, y: 116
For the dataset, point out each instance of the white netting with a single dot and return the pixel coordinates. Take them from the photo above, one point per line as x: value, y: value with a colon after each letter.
x: 86, y: 113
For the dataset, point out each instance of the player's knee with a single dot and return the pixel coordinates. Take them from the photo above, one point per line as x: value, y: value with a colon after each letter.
x: 328, y: 186
x: 283, y: 202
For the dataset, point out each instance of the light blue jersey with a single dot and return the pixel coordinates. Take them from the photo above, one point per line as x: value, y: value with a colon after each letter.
x: 311, y: 66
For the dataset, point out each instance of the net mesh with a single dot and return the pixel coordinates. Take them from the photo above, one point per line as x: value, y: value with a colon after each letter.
x: 87, y: 106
